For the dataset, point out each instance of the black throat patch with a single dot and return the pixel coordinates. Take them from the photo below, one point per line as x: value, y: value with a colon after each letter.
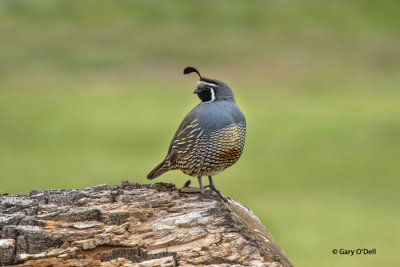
x: 206, y: 95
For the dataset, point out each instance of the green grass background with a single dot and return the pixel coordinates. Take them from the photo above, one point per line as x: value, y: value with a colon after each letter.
x: 92, y: 92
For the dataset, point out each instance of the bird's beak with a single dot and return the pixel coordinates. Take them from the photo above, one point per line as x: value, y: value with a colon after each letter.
x: 197, y: 91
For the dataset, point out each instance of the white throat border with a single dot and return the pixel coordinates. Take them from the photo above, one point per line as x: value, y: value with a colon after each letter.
x: 211, y: 85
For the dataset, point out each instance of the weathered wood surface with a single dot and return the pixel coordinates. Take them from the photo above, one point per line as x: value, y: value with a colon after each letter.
x: 132, y: 225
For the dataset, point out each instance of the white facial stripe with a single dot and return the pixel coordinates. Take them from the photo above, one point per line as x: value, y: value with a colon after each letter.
x: 209, y: 84
x: 212, y: 96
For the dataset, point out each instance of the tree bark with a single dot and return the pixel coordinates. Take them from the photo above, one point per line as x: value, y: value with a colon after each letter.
x: 132, y: 225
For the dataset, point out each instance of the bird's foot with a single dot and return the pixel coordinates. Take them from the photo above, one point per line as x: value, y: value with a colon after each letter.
x: 213, y: 189
x: 209, y: 194
x: 203, y: 194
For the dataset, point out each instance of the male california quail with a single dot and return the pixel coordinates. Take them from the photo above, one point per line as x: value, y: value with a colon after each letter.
x: 210, y: 138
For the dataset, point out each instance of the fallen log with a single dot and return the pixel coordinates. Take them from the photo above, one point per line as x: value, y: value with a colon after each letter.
x: 132, y: 225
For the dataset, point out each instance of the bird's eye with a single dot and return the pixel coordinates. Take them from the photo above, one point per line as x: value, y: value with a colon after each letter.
x: 207, y: 95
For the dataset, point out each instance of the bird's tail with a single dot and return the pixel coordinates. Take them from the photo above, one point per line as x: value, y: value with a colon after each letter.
x: 161, y: 168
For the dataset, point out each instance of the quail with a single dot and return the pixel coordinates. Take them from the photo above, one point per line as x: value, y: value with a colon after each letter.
x: 210, y: 138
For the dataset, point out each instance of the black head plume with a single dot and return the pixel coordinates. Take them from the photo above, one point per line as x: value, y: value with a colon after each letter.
x: 188, y: 70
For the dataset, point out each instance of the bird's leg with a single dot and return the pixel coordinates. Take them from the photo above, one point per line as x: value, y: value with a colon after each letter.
x: 202, y: 195
x: 212, y: 186
x: 200, y: 185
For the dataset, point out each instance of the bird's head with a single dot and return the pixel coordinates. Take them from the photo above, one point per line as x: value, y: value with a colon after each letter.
x: 210, y: 90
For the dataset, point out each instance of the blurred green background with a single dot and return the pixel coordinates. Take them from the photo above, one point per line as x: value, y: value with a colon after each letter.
x: 92, y: 92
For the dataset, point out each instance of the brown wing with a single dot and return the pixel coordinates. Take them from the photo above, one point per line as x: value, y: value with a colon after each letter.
x: 182, y: 143
x: 185, y: 135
